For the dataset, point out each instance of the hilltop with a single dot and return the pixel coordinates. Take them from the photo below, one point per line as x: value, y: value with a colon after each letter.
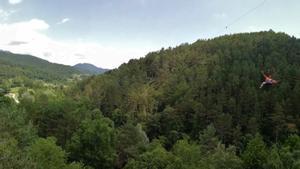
x: 89, y: 68
x: 13, y: 65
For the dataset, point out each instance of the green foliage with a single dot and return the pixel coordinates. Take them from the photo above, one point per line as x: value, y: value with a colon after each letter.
x: 185, y: 155
x: 208, y: 139
x: 11, y: 156
x: 155, y: 158
x: 53, y: 113
x: 131, y: 140
x: 13, y: 123
x: 197, y: 156
x: 76, y: 166
x: 224, y: 158
x: 290, y: 152
x: 46, y: 154
x: 94, y: 143
x: 190, y: 155
x: 255, y: 154
x: 274, y: 160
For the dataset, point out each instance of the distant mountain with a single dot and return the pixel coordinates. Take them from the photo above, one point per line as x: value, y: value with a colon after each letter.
x: 13, y: 65
x: 89, y: 68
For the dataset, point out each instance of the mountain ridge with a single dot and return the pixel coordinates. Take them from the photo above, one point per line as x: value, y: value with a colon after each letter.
x: 89, y: 68
x: 13, y: 65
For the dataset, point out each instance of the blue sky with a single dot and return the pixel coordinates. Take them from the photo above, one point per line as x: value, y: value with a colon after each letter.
x: 110, y: 32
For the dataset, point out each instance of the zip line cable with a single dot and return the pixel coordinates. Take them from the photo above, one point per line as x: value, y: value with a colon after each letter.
x: 246, y: 13
x: 242, y: 16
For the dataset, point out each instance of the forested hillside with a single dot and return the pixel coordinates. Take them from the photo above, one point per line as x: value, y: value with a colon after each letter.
x: 12, y: 65
x: 89, y: 69
x: 195, y: 106
x: 177, y: 92
x: 208, y: 82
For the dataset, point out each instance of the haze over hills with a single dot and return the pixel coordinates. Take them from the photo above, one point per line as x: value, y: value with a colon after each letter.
x: 89, y: 68
x: 12, y: 65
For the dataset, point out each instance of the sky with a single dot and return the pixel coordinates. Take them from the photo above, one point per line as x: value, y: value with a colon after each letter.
x: 108, y: 33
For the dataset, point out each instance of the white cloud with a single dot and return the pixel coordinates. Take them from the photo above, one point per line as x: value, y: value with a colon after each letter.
x: 29, y: 37
x: 23, y: 31
x: 13, y: 2
x: 4, y: 15
x: 64, y: 21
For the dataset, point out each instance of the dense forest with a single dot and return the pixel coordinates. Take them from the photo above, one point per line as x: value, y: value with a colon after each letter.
x: 195, y: 106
